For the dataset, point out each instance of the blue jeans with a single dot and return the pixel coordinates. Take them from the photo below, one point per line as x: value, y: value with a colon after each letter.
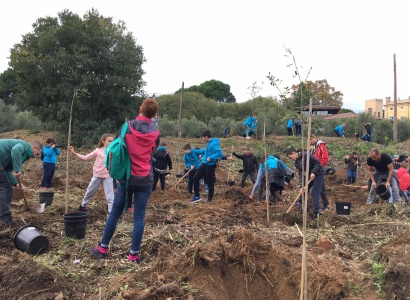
x: 141, y: 196
x: 49, y: 170
x: 352, y: 174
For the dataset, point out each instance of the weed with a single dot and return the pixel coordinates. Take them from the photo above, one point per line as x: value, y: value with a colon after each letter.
x: 355, y: 289
x: 378, y: 275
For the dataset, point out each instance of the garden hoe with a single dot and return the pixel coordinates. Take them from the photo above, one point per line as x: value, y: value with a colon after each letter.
x: 297, y: 197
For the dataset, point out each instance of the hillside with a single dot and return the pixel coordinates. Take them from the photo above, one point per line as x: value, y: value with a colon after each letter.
x: 221, y: 250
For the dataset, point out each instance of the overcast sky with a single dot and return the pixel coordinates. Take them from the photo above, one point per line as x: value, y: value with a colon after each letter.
x: 349, y: 43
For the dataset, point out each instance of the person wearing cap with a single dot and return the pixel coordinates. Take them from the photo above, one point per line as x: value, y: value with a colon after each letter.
x: 319, y: 150
x: 395, y: 161
x: 250, y: 165
x: 383, y: 170
x: 316, y: 175
x: 340, y: 130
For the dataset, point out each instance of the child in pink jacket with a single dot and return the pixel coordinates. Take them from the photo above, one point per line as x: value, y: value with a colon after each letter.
x: 100, y: 173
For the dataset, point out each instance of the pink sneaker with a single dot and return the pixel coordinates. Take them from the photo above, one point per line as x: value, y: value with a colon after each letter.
x: 98, y: 251
x: 134, y: 257
x: 251, y: 196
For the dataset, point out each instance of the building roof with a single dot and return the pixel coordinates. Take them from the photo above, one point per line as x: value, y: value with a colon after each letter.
x: 330, y: 109
x: 341, y: 116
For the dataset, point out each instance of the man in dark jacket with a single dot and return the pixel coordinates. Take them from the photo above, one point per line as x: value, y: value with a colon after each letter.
x: 316, y: 171
x: 250, y: 165
x: 13, y: 153
x: 162, y: 162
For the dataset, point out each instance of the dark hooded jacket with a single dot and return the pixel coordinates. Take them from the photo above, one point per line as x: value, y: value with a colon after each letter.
x: 314, y: 166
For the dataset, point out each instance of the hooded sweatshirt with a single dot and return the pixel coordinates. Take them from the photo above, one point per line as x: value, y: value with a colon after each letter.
x: 162, y: 160
x: 212, y: 150
x: 320, y: 152
x: 141, y: 139
x: 404, y: 179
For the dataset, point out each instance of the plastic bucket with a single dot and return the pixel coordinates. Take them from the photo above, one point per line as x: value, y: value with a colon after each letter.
x: 46, y: 197
x: 75, y: 224
x: 343, y: 208
x: 29, y: 239
x: 383, y: 192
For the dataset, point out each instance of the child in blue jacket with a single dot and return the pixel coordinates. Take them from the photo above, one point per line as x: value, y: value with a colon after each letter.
x: 50, y: 153
x: 340, y: 130
x: 210, y: 155
x: 192, y: 163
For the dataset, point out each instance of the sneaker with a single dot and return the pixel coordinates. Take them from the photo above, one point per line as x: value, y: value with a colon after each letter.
x: 82, y: 208
x: 43, y: 189
x: 131, y: 209
x: 324, y: 208
x: 297, y: 204
x: 134, y: 257
x: 208, y: 200
x: 98, y: 251
x: 251, y: 196
x: 195, y: 199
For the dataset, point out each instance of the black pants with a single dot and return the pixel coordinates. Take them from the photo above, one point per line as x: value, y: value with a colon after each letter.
x: 6, y: 194
x: 290, y: 131
x: 49, y: 170
x: 245, y: 175
x: 191, y: 180
x: 161, y: 178
x: 209, y: 172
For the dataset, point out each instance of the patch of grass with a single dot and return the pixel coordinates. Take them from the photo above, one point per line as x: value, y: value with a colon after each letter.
x: 378, y: 276
x: 355, y: 289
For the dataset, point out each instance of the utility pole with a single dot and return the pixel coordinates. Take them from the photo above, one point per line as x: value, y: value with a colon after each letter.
x: 180, y: 110
x: 395, y: 137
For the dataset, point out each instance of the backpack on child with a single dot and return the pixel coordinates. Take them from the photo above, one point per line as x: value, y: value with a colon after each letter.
x: 117, y: 160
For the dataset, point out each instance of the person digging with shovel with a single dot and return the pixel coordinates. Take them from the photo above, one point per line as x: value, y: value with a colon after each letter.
x: 192, y: 163
x: 13, y: 153
x: 317, y: 175
x: 250, y: 165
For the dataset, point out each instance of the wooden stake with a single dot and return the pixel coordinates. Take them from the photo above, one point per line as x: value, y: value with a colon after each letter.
x: 68, y: 145
x: 266, y: 174
x: 230, y: 165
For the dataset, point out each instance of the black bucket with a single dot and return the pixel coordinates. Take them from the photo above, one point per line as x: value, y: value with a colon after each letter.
x: 343, y: 208
x: 75, y: 224
x: 383, y: 192
x: 29, y: 239
x: 46, y: 197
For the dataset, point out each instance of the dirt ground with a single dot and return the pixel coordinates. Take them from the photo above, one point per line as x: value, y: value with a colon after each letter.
x: 226, y: 249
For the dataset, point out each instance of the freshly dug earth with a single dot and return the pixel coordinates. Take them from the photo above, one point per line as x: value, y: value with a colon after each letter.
x: 225, y: 249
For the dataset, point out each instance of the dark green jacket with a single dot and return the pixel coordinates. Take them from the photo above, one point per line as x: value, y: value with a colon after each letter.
x: 13, y: 153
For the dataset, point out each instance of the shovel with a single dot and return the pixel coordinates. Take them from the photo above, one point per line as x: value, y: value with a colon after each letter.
x: 24, y: 195
x: 297, y: 197
x: 180, y: 180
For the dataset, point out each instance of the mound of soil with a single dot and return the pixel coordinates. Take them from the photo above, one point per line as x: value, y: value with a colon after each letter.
x: 396, y: 254
x: 21, y: 278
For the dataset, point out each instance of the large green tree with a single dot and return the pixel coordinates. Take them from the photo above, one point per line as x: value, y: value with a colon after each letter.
x: 68, y: 53
x: 320, y: 90
x: 213, y: 89
x: 8, y: 86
